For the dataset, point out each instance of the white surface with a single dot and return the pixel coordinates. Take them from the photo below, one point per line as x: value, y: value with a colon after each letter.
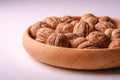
x: 16, y: 16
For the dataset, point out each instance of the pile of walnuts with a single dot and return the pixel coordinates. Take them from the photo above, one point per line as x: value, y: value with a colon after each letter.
x: 85, y: 32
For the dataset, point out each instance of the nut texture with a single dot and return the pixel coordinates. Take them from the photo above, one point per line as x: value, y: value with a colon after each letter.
x: 82, y: 29
x: 71, y: 36
x: 42, y: 34
x: 91, y: 20
x: 105, y: 18
x: 52, y: 21
x: 108, y: 32
x: 85, y: 16
x: 75, y: 42
x: 35, y: 27
x: 58, y: 39
x: 115, y: 43
x: 87, y: 45
x: 65, y: 28
x: 74, y: 22
x: 66, y: 19
x: 99, y: 39
x: 116, y: 33
x: 102, y: 26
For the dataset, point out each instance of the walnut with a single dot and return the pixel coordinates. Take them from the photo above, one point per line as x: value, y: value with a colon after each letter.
x: 87, y: 45
x: 42, y: 34
x: 82, y: 29
x: 115, y: 34
x: 105, y: 18
x: 75, y: 42
x: 85, y: 16
x: 108, y: 32
x: 102, y: 26
x: 52, y: 21
x: 35, y: 27
x: 74, y: 22
x: 58, y: 39
x: 65, y: 28
x: 71, y: 36
x: 99, y: 39
x: 66, y: 19
x: 115, y: 43
x: 92, y: 20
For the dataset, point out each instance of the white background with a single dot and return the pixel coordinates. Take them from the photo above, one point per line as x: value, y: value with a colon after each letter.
x: 16, y: 16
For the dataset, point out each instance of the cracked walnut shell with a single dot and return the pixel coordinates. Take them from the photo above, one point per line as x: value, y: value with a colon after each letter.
x: 43, y: 34
x: 65, y: 28
x: 82, y: 29
x: 99, y: 39
x: 102, y: 26
x: 52, y: 21
x: 58, y: 39
x: 35, y: 27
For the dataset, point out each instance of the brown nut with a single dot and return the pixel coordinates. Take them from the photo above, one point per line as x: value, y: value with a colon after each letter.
x: 74, y: 22
x: 115, y: 43
x: 87, y: 45
x: 42, y: 34
x: 75, y: 42
x: 65, y: 28
x: 102, y: 26
x: 52, y: 21
x: 115, y: 34
x: 82, y: 29
x: 35, y: 27
x: 91, y: 20
x: 66, y: 19
x: 99, y: 39
x: 108, y: 32
x: 71, y: 36
x: 58, y: 39
x: 105, y: 18
x: 85, y: 16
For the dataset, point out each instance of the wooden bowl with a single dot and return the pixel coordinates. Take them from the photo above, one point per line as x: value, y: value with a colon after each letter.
x: 72, y: 58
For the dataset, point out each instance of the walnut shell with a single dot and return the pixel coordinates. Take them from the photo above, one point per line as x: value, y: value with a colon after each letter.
x: 82, y: 29
x: 58, y: 39
x: 52, y: 21
x: 42, y: 34
x: 108, y: 32
x: 74, y: 22
x: 102, y: 26
x: 91, y: 20
x: 115, y: 43
x: 105, y: 18
x: 115, y: 34
x: 99, y: 39
x: 35, y: 27
x: 75, y: 42
x: 87, y: 45
x: 85, y: 16
x: 65, y: 28
x: 66, y: 19
x: 71, y: 36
